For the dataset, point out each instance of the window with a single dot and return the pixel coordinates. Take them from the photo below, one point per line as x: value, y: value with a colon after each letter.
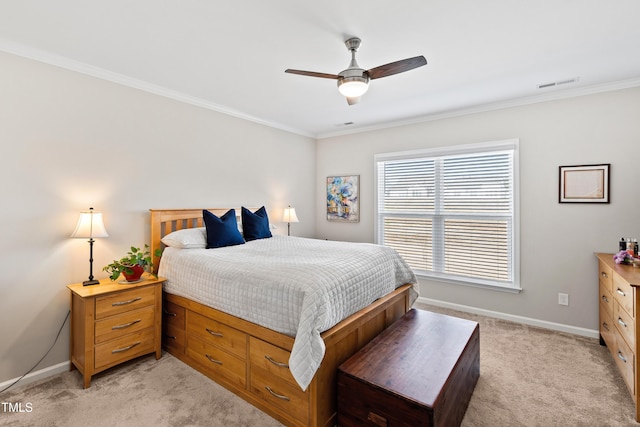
x: 451, y: 213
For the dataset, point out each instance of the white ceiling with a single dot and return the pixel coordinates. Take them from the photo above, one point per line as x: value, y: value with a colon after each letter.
x: 230, y: 56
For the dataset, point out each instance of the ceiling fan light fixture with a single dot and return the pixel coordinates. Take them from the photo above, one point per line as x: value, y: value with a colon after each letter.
x: 353, y: 87
x: 354, y: 81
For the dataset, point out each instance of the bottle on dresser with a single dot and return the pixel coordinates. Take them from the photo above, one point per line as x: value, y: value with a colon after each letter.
x: 632, y: 247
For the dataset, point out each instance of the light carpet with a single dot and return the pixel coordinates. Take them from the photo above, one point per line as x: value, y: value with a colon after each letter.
x: 528, y: 377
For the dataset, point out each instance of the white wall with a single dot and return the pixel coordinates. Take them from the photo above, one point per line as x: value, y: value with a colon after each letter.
x: 69, y: 141
x: 557, y: 240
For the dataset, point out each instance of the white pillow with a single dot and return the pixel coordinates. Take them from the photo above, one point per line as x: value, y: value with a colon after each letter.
x: 188, y: 238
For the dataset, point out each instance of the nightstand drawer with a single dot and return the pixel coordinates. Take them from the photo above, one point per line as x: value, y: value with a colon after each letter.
x: 122, y: 324
x: 124, y: 348
x: 124, y: 301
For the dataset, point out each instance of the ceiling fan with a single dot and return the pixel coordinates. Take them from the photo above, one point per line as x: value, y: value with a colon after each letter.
x: 354, y: 81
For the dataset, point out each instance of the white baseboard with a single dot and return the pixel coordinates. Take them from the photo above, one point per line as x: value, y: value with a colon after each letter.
x: 38, y: 375
x: 591, y: 333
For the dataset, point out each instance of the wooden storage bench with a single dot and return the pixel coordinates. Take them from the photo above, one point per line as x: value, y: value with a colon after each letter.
x: 421, y: 371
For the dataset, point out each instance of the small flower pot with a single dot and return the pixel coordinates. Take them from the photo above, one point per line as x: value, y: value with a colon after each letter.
x: 133, y: 273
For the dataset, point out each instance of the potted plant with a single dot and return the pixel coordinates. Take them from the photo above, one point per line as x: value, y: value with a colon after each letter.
x: 133, y: 265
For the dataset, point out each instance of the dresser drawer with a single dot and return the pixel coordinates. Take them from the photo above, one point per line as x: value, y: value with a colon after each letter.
x: 124, y: 301
x: 607, y: 329
x: 124, y: 348
x: 217, y: 334
x: 173, y: 315
x: 281, y: 394
x: 625, y: 359
x: 217, y: 362
x: 623, y: 293
x: 272, y: 359
x: 625, y: 325
x: 605, y: 275
x: 606, y: 299
x: 122, y: 324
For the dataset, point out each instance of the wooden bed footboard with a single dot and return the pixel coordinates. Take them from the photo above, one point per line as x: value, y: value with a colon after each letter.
x: 251, y: 360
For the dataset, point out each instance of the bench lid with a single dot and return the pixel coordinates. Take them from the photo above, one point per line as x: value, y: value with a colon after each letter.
x: 415, y: 356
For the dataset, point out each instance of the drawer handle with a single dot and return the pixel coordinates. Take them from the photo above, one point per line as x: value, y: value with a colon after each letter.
x: 605, y: 275
x: 168, y: 313
x: 605, y: 326
x: 171, y: 337
x: 604, y: 298
x: 120, y: 350
x: 621, y: 357
x: 115, y: 304
x: 275, y: 362
x: 212, y: 360
x: 621, y: 292
x: 215, y: 334
x: 274, y: 394
x: 125, y: 325
x: 622, y: 322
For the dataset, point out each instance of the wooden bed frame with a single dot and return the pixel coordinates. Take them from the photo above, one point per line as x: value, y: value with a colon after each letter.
x: 243, y: 361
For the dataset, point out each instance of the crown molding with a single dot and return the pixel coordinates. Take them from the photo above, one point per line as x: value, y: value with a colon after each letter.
x: 510, y: 103
x: 83, y: 68
x: 100, y: 73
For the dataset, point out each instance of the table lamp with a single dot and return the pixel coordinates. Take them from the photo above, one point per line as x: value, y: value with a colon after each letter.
x: 90, y: 225
x: 289, y: 217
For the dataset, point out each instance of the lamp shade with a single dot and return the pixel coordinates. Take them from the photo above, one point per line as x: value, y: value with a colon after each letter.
x: 90, y: 225
x: 290, y: 215
x: 352, y: 87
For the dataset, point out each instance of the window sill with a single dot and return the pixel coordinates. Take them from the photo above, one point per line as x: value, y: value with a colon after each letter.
x: 488, y: 285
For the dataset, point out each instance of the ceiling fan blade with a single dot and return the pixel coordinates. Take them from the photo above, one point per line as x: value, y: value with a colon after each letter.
x: 396, y: 67
x: 312, y: 74
x: 353, y: 100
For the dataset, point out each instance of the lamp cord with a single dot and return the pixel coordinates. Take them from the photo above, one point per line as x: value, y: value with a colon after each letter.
x: 45, y: 355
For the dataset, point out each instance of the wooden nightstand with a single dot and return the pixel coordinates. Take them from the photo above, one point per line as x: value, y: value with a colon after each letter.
x: 113, y: 322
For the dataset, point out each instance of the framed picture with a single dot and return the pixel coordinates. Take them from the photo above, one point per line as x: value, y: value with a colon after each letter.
x: 584, y: 184
x: 343, y: 198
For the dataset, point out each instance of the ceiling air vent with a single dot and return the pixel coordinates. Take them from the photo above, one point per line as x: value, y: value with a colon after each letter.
x: 559, y: 83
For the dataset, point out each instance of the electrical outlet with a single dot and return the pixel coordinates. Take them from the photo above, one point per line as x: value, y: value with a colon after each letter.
x: 563, y: 299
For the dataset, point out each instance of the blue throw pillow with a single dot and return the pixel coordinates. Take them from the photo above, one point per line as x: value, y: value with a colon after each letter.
x: 222, y: 231
x: 255, y: 225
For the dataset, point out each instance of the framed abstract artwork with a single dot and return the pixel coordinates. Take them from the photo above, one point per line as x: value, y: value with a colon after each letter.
x: 584, y: 184
x: 343, y: 198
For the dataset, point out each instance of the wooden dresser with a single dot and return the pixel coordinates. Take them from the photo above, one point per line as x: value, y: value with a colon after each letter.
x: 619, y: 300
x: 112, y: 323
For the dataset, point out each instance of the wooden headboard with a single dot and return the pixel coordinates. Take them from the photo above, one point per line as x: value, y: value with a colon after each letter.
x: 164, y: 221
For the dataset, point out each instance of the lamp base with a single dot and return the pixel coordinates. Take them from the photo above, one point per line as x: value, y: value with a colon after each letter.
x: 90, y: 282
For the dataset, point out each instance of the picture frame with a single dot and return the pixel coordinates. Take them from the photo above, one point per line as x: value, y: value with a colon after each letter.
x: 343, y: 198
x: 584, y: 184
